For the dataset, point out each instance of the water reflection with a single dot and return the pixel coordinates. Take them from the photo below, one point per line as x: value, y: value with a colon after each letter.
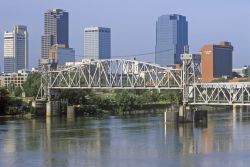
x: 126, y: 141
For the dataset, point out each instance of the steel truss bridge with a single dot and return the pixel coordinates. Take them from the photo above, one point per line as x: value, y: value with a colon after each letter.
x: 220, y: 93
x: 133, y: 74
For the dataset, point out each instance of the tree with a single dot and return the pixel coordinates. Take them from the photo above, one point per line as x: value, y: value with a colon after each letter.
x: 32, y: 84
x: 125, y: 101
x: 219, y: 80
x: 76, y: 97
x: 4, y: 100
x: 17, y: 91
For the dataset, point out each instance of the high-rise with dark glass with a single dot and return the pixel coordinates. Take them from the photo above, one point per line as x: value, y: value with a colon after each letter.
x: 171, y: 39
x: 56, y: 30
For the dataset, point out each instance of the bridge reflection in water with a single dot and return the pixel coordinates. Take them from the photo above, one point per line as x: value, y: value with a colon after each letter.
x: 130, y: 141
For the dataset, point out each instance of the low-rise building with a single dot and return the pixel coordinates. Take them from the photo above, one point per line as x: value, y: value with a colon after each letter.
x: 241, y: 71
x: 13, y: 79
x: 60, y: 54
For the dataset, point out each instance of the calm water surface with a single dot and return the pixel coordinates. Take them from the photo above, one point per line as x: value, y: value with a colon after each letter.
x: 137, y: 141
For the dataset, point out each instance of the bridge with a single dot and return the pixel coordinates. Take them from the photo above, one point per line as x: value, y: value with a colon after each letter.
x: 220, y: 94
x: 133, y: 74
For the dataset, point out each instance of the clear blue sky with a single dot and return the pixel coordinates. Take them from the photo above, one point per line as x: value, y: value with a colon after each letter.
x: 133, y: 23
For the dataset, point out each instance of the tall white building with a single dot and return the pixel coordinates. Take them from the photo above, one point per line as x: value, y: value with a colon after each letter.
x: 16, y: 49
x: 97, y: 43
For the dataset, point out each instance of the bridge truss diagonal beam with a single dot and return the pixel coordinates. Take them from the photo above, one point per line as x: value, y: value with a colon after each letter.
x: 116, y: 73
x: 220, y: 94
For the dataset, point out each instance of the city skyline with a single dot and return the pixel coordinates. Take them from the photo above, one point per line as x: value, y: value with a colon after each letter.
x: 137, y: 23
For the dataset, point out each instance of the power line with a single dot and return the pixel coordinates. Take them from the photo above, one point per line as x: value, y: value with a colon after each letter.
x: 137, y: 55
x: 144, y: 54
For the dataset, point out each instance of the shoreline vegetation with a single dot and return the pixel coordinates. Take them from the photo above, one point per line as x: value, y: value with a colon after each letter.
x: 91, y: 103
x: 86, y: 101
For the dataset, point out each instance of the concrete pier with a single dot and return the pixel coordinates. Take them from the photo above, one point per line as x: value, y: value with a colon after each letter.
x: 234, y: 108
x: 52, y: 108
x: 39, y: 106
x: 185, y: 114
x: 242, y: 108
x: 48, y: 109
x: 171, y: 117
x: 70, y: 112
x: 181, y: 114
x: 200, y: 118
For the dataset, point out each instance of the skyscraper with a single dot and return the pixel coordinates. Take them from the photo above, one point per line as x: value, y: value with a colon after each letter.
x: 97, y: 43
x: 16, y: 49
x: 56, y: 30
x: 171, y: 39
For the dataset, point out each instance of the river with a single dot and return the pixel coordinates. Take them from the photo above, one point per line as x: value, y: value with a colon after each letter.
x: 132, y: 141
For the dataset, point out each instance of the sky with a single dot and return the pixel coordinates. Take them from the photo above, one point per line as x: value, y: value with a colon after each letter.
x: 132, y: 23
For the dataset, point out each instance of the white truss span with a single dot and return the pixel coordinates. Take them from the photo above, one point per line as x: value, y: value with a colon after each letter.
x: 132, y: 74
x: 220, y: 93
x: 115, y: 74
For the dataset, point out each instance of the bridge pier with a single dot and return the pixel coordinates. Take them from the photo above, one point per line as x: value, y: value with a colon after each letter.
x: 234, y: 108
x: 171, y: 117
x: 52, y: 108
x: 48, y: 109
x: 39, y: 106
x: 70, y: 112
x: 242, y: 108
x: 185, y: 114
x: 200, y: 118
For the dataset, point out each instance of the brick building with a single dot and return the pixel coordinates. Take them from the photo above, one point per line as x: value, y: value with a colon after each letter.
x: 216, y: 61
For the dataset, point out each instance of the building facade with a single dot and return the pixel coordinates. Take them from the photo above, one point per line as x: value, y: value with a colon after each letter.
x: 97, y: 43
x: 13, y: 79
x: 171, y: 39
x: 59, y: 54
x: 56, y: 30
x: 216, y: 61
x: 16, y: 54
x: 241, y: 72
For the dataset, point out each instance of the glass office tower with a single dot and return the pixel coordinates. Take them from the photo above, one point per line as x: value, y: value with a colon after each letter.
x: 171, y: 39
x: 97, y: 43
x: 56, y: 30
